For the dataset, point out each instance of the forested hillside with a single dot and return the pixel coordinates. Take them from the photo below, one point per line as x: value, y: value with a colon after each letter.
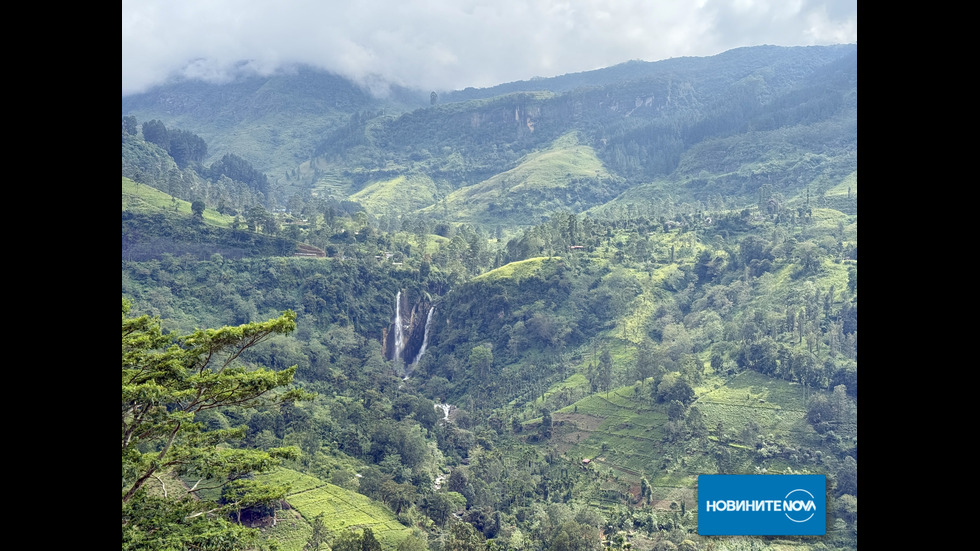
x: 524, y: 317
x: 702, y: 129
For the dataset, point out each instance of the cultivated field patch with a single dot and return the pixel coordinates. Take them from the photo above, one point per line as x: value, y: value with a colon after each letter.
x: 342, y: 509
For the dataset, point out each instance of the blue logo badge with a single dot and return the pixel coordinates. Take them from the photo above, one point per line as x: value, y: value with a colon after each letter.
x: 762, y: 505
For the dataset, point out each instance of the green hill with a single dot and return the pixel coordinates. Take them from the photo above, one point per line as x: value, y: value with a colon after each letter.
x: 144, y: 199
x: 628, y: 437
x: 701, y: 129
x: 402, y: 194
x: 565, y: 176
x: 342, y: 510
x: 155, y: 223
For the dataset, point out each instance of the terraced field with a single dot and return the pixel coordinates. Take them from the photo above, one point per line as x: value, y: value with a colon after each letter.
x: 342, y: 509
x: 623, y: 434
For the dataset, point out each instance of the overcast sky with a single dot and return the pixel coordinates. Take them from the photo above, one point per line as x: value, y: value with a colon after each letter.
x: 452, y: 44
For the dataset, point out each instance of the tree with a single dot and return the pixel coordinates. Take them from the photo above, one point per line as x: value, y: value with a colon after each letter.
x: 186, y: 147
x: 440, y: 506
x: 414, y: 542
x: 129, y: 126
x: 197, y: 208
x: 481, y: 359
x: 462, y: 536
x: 369, y: 542
x: 546, y: 423
x: 167, y: 380
x: 319, y: 536
x: 257, y: 218
x: 156, y: 132
x: 840, y: 404
x: 847, y: 477
x: 153, y: 523
x: 808, y: 257
x: 674, y: 387
x: 572, y: 536
x: 695, y: 422
x: 753, y: 248
x: 421, y: 236
x: 348, y: 540
x: 819, y: 410
x: 675, y: 410
x: 236, y: 168
x: 605, y: 370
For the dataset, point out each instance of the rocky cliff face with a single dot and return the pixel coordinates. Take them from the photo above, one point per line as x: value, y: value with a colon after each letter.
x: 403, y: 339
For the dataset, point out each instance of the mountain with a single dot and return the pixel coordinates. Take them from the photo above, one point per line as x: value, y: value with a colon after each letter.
x: 526, y: 317
x: 274, y: 121
x: 697, y: 128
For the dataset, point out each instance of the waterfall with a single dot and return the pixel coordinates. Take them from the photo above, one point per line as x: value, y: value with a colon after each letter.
x: 445, y: 410
x: 399, y: 330
x: 425, y: 337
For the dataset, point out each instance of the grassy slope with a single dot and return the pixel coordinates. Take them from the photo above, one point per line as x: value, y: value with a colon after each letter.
x: 142, y: 198
x: 342, y: 509
x: 517, y: 271
x: 622, y: 432
x: 401, y: 194
x: 542, y: 174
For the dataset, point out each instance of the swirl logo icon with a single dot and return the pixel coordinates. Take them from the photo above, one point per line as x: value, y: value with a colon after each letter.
x: 798, y: 506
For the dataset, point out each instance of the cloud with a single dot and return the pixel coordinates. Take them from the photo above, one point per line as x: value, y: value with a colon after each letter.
x: 452, y: 44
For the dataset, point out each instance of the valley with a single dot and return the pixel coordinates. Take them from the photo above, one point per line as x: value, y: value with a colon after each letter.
x: 539, y: 314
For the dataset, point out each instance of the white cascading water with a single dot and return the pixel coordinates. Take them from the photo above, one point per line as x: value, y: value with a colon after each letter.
x: 399, y: 331
x: 425, y: 337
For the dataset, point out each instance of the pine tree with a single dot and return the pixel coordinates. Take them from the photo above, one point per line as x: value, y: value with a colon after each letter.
x: 166, y: 380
